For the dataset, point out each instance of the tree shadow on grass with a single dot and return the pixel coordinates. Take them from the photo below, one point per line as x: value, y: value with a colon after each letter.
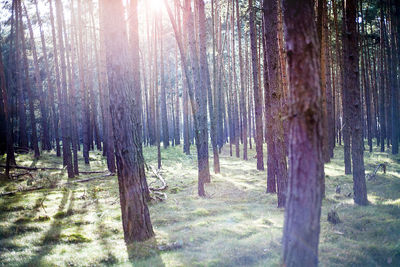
x: 104, y: 232
x: 54, y: 233
x: 145, y: 253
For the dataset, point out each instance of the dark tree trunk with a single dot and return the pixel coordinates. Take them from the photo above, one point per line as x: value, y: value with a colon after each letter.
x: 303, y: 207
x: 57, y: 79
x: 394, y: 85
x: 108, y: 135
x: 199, y: 106
x: 39, y: 88
x: 345, y: 104
x: 163, y: 101
x: 206, y: 82
x: 275, y: 140
x: 352, y: 88
x: 382, y: 117
x: 243, y: 108
x: 9, y: 135
x: 83, y: 87
x: 135, y: 214
x: 257, y: 91
x: 28, y: 88
x: 63, y: 95
x: 22, y: 132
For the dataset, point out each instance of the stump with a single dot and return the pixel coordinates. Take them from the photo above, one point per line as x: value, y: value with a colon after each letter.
x: 333, y: 217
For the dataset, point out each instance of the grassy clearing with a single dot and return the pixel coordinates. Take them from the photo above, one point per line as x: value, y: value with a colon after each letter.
x: 237, y: 224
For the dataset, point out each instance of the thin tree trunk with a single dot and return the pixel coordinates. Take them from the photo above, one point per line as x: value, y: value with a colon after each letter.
x: 354, y: 101
x: 257, y: 91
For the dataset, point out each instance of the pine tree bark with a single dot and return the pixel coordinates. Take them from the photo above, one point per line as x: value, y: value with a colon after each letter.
x: 199, y: 105
x: 83, y: 87
x: 352, y: 88
x: 63, y: 95
x: 394, y: 85
x: 163, y: 101
x: 28, y: 88
x: 39, y: 87
x: 57, y: 78
x: 345, y: 104
x: 108, y: 135
x: 382, y: 117
x: 303, y: 207
x: 22, y: 132
x: 9, y: 135
x: 135, y: 214
x: 206, y: 81
x: 275, y: 141
x: 257, y: 90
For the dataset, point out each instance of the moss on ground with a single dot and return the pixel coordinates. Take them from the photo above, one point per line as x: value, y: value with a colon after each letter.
x: 236, y: 224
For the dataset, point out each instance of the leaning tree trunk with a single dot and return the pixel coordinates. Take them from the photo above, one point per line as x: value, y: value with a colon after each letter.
x: 135, y: 213
x: 303, y: 207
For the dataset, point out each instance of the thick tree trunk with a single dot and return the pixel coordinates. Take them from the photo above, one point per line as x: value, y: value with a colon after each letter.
x: 303, y: 207
x: 135, y: 214
x: 275, y: 140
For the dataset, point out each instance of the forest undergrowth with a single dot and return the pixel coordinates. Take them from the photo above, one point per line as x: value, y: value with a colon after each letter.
x: 236, y: 224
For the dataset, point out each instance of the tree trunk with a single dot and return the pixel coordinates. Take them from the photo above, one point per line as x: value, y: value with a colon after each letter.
x: 257, y: 91
x: 275, y: 140
x: 354, y: 100
x: 63, y: 96
x: 135, y: 214
x: 303, y: 207
x: 28, y: 88
x: 206, y: 82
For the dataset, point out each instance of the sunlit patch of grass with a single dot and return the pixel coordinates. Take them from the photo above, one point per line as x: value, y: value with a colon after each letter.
x: 236, y: 224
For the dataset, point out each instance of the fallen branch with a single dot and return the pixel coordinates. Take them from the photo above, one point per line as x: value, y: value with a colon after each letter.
x: 92, y: 172
x: 16, y: 175
x: 11, y: 193
x: 372, y: 176
x: 47, y: 168
x: 90, y: 179
x: 164, y: 184
x: 31, y: 168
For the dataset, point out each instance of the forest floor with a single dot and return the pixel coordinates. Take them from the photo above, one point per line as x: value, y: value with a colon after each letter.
x: 237, y: 224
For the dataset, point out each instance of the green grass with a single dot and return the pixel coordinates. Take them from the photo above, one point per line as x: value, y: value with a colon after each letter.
x: 236, y: 224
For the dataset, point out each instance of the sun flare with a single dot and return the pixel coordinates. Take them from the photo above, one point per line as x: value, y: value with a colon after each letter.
x: 156, y: 5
